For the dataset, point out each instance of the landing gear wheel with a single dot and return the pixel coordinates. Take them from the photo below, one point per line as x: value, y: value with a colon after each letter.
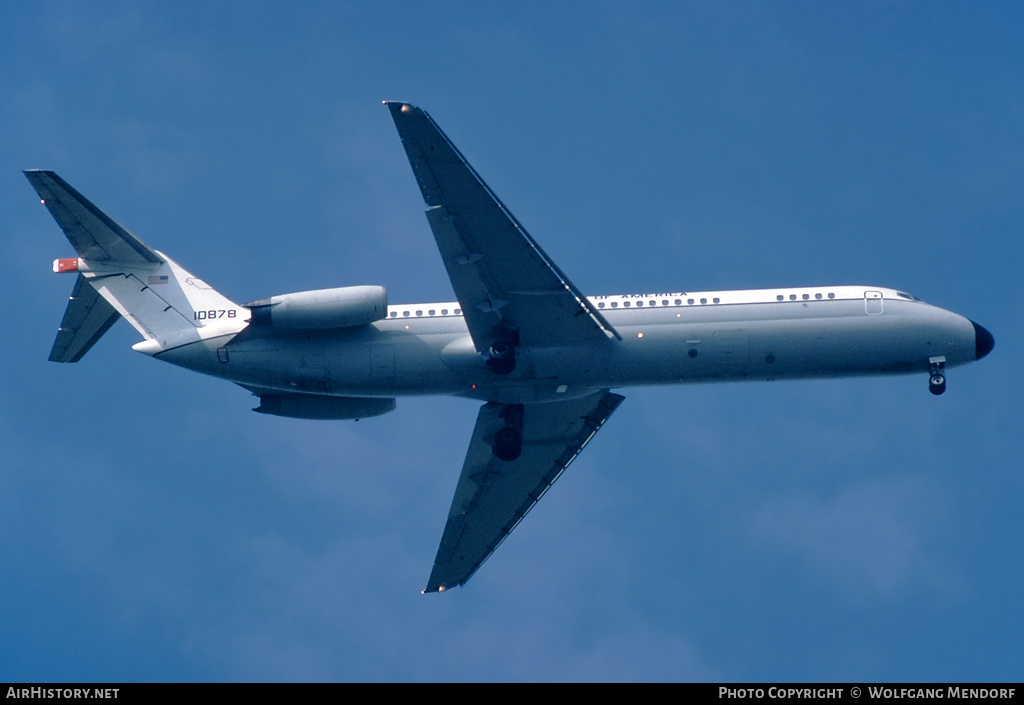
x: 502, y: 358
x: 937, y: 380
x: 508, y: 444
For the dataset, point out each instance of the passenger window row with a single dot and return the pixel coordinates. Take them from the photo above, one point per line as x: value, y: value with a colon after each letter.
x: 420, y: 312
x: 639, y: 303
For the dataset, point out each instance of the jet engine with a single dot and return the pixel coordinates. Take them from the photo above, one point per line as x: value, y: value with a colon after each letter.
x: 312, y: 406
x: 322, y: 309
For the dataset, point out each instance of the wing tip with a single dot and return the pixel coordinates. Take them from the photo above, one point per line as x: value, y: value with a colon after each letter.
x: 34, y: 176
x: 398, y: 107
x: 39, y: 172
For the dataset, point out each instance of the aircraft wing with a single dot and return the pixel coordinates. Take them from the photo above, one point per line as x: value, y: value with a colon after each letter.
x: 493, y: 496
x: 87, y: 317
x: 94, y: 235
x: 502, y: 278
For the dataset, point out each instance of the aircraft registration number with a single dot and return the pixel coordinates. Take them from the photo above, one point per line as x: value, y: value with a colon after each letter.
x: 214, y: 313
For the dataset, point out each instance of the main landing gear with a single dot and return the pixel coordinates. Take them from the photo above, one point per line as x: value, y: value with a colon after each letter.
x: 937, y: 378
x: 501, y: 358
x: 507, y: 443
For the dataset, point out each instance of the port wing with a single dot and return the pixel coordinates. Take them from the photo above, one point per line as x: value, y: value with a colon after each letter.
x: 494, y: 495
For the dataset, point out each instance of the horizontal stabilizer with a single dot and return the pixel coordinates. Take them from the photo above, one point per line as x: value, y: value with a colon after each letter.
x: 119, y: 275
x: 94, y: 235
x: 87, y: 317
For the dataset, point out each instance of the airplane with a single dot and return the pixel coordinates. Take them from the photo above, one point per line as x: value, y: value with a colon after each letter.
x: 520, y: 337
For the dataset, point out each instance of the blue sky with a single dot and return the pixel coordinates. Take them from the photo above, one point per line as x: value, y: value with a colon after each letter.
x: 153, y: 528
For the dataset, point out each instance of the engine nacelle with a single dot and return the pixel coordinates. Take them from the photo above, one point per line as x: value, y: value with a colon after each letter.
x: 322, y: 309
x: 312, y: 406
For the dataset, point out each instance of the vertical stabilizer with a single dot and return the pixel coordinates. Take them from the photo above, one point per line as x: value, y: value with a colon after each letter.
x: 118, y: 274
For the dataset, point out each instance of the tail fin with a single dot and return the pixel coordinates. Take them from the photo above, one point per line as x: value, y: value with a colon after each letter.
x: 166, y: 304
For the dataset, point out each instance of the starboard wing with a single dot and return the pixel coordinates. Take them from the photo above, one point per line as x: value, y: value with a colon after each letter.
x: 502, y: 278
x: 493, y: 495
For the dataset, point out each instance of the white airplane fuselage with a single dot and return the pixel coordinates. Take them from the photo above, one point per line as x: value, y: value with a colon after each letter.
x: 677, y: 338
x: 520, y: 337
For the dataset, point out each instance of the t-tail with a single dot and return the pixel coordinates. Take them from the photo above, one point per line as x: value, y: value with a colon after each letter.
x: 118, y: 275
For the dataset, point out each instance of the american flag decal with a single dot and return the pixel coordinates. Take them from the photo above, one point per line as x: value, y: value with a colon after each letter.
x: 162, y: 279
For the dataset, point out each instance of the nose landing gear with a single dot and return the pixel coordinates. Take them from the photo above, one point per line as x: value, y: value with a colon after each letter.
x: 937, y: 378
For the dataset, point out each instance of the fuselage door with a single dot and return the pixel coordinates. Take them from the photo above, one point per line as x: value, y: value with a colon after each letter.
x: 873, y: 303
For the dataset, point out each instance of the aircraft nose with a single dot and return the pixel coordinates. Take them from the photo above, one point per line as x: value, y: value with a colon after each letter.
x: 983, y: 341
